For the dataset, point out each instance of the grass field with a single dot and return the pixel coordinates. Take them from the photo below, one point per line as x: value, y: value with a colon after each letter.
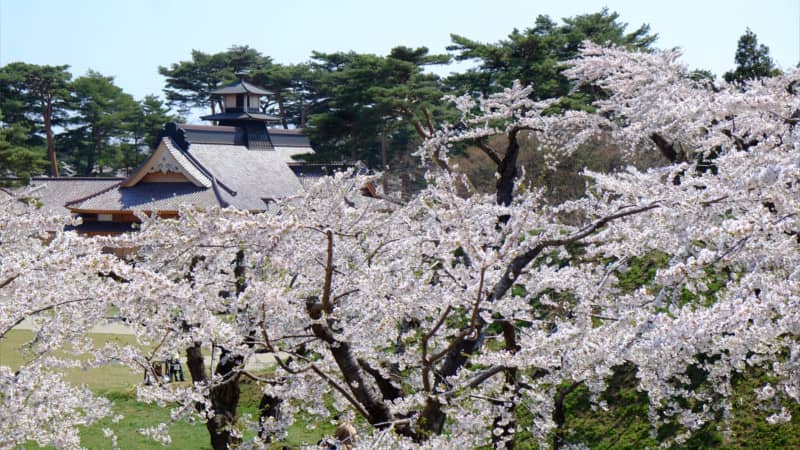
x: 624, y: 425
x: 118, y: 384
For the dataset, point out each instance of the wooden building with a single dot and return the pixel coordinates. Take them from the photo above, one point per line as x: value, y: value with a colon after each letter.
x: 238, y: 161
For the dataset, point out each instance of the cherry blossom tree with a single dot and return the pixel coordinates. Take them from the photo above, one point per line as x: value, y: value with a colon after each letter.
x: 434, y: 323
x: 43, y: 273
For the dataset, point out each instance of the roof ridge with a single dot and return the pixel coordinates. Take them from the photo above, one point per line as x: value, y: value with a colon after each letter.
x: 214, y: 187
x: 173, y: 146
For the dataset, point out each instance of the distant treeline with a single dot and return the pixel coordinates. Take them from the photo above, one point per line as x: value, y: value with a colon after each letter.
x: 353, y: 106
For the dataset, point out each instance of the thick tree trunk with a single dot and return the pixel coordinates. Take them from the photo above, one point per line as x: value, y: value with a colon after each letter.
x: 223, y: 396
x: 505, y: 439
x: 508, y: 171
x: 281, y: 110
x: 224, y: 402
x: 377, y: 410
x: 195, y: 363
x: 47, y: 116
x: 270, y: 407
x: 384, y: 162
x: 560, y: 414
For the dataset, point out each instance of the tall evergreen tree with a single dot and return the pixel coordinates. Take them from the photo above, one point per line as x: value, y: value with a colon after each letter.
x: 534, y: 56
x: 374, y: 105
x: 752, y: 60
x: 103, y: 114
x: 16, y: 158
x: 148, y: 120
x: 36, y: 98
x: 189, y: 82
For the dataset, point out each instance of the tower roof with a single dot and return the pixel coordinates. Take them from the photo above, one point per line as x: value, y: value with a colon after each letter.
x: 240, y: 87
x: 240, y: 116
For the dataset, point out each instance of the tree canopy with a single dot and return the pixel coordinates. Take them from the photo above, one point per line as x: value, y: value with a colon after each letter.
x: 533, y: 56
x: 36, y: 98
x: 188, y: 83
x: 458, y: 319
x: 96, y: 127
x: 752, y: 60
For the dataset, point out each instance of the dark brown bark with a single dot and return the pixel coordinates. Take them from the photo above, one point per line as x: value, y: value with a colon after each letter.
x: 47, y: 115
x: 739, y: 142
x: 377, y: 411
x: 92, y: 156
x: 508, y: 170
x: 388, y: 390
x: 384, y: 162
x: 223, y: 396
x: 560, y: 414
x: 432, y: 418
x: 281, y: 110
x: 367, y: 400
x: 666, y: 148
x: 270, y: 407
x: 195, y: 363
x: 44, y: 89
x: 505, y: 439
x: 304, y: 116
x: 464, y: 347
x: 224, y: 399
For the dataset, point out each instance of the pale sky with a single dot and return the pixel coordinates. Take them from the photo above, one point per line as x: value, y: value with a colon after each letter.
x: 129, y: 39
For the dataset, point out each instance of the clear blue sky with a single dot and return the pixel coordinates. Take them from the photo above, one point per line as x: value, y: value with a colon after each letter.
x: 129, y: 39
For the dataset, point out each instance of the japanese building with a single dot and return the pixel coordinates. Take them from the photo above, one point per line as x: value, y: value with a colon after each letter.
x: 237, y: 161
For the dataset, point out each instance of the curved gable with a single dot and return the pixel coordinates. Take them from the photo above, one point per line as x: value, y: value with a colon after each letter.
x: 167, y: 159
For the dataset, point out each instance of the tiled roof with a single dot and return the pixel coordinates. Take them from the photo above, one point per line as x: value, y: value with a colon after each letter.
x: 240, y: 87
x: 169, y: 158
x: 202, y: 134
x: 195, y: 173
x: 218, y: 172
x: 240, y: 116
x: 148, y: 197
x: 219, y: 128
x: 257, y: 137
x: 280, y: 138
x: 54, y: 193
x: 249, y: 176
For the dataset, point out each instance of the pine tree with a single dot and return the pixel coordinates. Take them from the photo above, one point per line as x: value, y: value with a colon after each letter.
x: 752, y: 60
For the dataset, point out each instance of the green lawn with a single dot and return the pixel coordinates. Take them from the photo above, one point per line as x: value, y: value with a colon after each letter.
x: 118, y: 383
x: 113, y: 377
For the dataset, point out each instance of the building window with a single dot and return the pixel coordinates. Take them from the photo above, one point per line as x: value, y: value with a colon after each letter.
x: 105, y: 217
x: 240, y: 101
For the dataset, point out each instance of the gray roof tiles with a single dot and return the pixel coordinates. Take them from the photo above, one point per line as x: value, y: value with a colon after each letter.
x: 288, y: 140
x: 235, y: 115
x: 252, y: 175
x: 54, y: 193
x: 240, y: 87
x: 148, y: 197
x: 225, y: 173
x: 191, y: 168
